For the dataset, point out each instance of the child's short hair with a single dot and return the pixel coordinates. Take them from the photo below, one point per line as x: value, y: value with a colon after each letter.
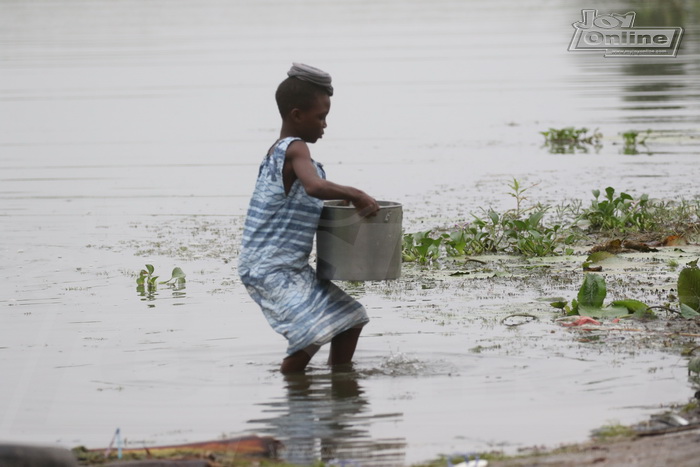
x: 294, y: 93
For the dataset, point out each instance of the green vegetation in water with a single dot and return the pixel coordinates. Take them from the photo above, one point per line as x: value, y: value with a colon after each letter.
x: 590, y: 302
x: 620, y: 213
x: 591, y: 297
x: 631, y: 141
x: 526, y: 231
x: 570, y: 140
x: 147, y: 282
x: 689, y: 290
x: 518, y: 231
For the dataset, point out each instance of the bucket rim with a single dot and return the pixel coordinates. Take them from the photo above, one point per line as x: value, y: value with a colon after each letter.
x: 341, y: 204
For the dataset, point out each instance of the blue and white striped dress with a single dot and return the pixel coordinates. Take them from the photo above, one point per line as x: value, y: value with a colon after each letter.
x: 274, y: 261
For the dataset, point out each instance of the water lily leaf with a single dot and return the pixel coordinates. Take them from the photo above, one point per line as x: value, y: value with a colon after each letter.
x: 689, y: 286
x: 633, y: 306
x: 688, y: 312
x: 599, y: 256
x: 638, y: 309
x: 592, y: 292
x: 607, y: 312
x: 559, y: 304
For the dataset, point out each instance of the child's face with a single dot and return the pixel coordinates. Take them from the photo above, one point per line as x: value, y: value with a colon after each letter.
x: 311, y: 123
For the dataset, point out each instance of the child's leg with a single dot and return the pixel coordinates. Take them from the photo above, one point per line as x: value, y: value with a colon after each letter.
x: 297, y: 362
x: 343, y: 346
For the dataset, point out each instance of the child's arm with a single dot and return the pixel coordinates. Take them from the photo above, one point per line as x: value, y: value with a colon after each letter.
x: 298, y: 165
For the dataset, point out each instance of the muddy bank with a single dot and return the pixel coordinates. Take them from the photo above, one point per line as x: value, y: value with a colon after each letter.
x: 677, y: 449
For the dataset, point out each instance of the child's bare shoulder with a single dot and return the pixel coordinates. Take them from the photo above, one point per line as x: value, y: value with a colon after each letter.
x: 298, y: 148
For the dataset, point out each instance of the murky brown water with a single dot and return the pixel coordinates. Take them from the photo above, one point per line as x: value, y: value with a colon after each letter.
x: 130, y: 133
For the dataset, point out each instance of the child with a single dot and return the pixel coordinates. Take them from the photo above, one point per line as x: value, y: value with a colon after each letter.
x: 280, y: 226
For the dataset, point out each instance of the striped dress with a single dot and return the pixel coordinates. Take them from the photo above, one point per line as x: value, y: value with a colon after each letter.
x: 274, y: 261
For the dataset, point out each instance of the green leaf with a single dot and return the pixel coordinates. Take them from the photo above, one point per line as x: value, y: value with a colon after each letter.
x: 535, y: 218
x: 598, y: 312
x: 559, y: 304
x: 178, y: 274
x: 688, y: 312
x: 574, y: 308
x: 639, y: 310
x: 689, y: 287
x: 150, y: 268
x: 609, y: 193
x: 633, y: 306
x: 494, y: 216
x: 599, y: 256
x: 694, y: 365
x: 592, y: 292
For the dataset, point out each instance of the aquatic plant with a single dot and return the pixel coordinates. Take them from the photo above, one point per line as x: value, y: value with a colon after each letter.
x: 619, y: 212
x: 146, y: 281
x: 530, y: 231
x: 590, y: 301
x: 630, y: 141
x: 569, y: 140
x: 518, y: 231
x: 689, y: 290
x: 591, y: 297
x: 421, y: 247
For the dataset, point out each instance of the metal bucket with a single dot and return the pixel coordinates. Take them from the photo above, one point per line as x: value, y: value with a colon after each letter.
x: 354, y: 248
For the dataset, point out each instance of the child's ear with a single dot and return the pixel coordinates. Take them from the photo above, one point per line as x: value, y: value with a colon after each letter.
x: 295, y: 115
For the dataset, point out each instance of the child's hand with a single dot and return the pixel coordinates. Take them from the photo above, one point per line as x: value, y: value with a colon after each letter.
x: 366, y: 205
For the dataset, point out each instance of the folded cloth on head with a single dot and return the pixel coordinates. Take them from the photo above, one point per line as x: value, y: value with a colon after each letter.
x: 312, y: 75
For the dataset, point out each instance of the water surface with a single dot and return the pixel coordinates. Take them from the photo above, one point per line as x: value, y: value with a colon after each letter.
x: 131, y: 134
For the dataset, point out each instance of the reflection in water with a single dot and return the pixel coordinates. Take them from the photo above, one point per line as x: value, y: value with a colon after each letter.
x: 326, y: 417
x: 656, y: 90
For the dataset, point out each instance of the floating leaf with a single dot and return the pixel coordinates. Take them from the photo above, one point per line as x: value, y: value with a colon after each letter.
x: 598, y: 312
x: 592, y: 292
x: 688, y: 312
x: 638, y: 309
x: 559, y: 304
x: 599, y: 256
x: 633, y: 306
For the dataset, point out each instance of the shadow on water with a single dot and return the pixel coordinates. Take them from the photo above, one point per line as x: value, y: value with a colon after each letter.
x: 326, y: 416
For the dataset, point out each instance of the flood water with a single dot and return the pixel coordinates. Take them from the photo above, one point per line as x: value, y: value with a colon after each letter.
x: 131, y: 131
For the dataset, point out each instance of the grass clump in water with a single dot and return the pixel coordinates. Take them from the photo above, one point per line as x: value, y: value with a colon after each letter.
x: 525, y: 230
x: 570, y: 140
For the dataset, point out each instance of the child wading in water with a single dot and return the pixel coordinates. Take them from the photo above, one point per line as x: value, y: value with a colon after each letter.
x: 280, y: 226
